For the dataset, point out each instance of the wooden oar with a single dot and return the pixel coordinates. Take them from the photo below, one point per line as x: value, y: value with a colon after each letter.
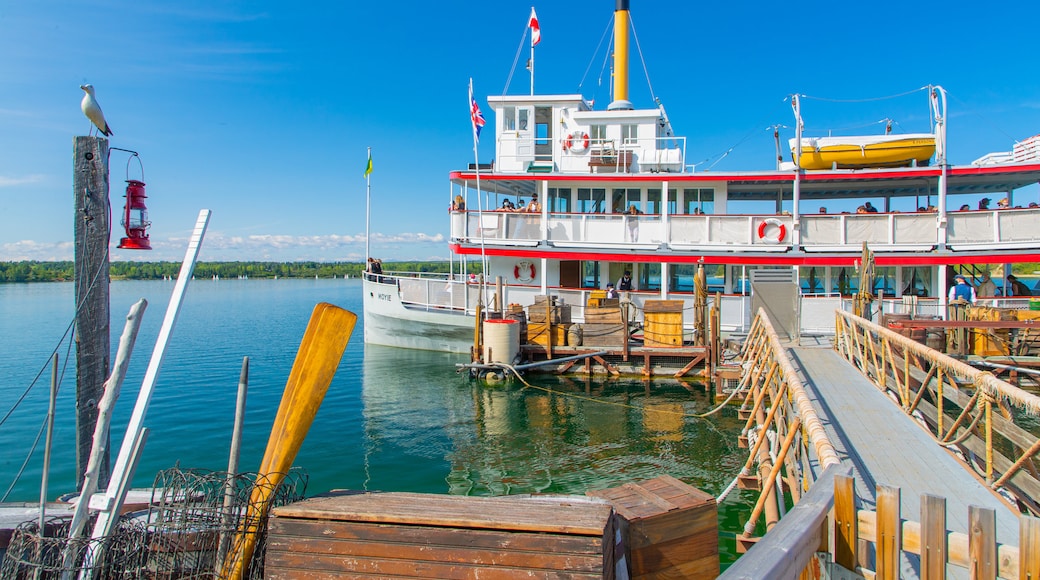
x: 316, y: 361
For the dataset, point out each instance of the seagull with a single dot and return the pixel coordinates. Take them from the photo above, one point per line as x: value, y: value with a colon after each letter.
x: 93, y: 111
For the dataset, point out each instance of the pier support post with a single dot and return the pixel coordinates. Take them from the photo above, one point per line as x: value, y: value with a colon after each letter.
x: 92, y: 228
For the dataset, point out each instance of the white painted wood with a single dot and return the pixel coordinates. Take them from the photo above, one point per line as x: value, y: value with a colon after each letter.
x: 125, y: 462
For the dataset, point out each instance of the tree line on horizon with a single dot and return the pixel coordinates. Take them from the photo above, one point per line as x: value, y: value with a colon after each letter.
x: 34, y: 271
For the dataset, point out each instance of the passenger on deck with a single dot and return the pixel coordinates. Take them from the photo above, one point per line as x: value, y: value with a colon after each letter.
x: 962, y: 291
x: 870, y: 208
x: 1017, y: 287
x: 534, y: 206
x: 984, y: 203
x: 611, y: 292
x: 965, y: 207
x: 625, y: 283
x: 823, y: 210
x: 458, y: 205
x: 1003, y: 204
x: 862, y: 209
x: 986, y: 286
x: 633, y: 223
x: 507, y: 206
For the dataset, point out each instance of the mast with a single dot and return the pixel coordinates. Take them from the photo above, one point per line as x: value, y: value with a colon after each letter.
x: 621, y: 101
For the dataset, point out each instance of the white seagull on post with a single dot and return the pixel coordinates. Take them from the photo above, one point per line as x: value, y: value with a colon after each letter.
x: 93, y: 111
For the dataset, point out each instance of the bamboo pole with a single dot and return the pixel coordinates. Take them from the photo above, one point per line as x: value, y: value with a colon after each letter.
x: 767, y: 484
x: 1017, y: 465
x: 762, y: 432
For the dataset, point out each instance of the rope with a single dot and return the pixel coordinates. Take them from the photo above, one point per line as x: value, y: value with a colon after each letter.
x: 868, y: 100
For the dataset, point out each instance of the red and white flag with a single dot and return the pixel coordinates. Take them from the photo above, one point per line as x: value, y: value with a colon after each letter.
x: 536, y: 33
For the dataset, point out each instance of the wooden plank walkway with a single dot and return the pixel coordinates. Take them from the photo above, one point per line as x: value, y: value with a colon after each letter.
x: 885, y: 446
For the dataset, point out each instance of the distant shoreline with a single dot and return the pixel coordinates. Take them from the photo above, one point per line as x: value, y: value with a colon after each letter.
x: 63, y: 271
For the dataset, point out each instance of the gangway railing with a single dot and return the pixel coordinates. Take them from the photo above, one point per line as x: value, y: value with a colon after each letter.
x: 779, y: 412
x: 824, y: 529
x: 990, y: 423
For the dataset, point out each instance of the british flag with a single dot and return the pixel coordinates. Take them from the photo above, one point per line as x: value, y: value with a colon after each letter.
x: 476, y: 117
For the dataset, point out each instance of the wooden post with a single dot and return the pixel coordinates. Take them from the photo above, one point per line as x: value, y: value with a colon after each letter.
x: 889, y: 533
x: 982, y: 543
x: 846, y: 523
x: 933, y: 537
x: 1028, y: 547
x: 92, y: 228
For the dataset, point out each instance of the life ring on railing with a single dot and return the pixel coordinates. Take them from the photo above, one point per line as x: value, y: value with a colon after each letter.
x: 781, y: 230
x: 524, y: 271
x: 576, y: 142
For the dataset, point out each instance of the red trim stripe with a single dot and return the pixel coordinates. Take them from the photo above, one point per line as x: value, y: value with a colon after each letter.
x: 744, y: 259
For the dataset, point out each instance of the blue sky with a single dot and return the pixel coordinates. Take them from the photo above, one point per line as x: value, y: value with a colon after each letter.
x: 262, y: 111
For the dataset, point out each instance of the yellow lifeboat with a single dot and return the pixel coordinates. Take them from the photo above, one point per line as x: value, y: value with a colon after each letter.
x: 866, y: 151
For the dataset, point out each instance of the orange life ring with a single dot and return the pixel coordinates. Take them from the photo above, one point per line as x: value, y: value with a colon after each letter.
x: 576, y: 142
x: 780, y: 228
x: 524, y: 271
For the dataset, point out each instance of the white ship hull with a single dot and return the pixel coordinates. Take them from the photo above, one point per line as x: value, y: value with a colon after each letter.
x: 390, y: 322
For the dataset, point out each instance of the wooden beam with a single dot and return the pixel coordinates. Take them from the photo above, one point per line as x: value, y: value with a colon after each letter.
x: 92, y: 231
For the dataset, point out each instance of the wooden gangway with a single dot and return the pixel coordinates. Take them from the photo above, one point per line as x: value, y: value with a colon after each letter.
x: 901, y: 462
x: 884, y: 446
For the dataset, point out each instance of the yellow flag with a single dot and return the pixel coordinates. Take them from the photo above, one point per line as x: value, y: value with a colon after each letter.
x: 368, y: 168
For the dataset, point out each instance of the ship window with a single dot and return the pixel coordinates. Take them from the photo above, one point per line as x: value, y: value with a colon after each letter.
x: 590, y: 275
x: 521, y: 118
x: 917, y: 281
x: 649, y: 277
x: 629, y: 134
x: 509, y: 118
x: 653, y: 200
x: 597, y: 135
x: 700, y: 200
x: 591, y: 200
x: 559, y: 200
x: 621, y: 199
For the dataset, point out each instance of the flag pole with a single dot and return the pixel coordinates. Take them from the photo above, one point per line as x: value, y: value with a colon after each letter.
x: 368, y: 207
x: 532, y: 23
x: 533, y: 64
x: 474, y: 113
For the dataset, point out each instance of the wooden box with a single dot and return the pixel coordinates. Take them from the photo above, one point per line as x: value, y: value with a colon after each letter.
x: 397, y: 535
x: 612, y: 335
x: 541, y: 333
x: 669, y: 529
x: 663, y: 323
x: 603, y: 315
x: 557, y: 314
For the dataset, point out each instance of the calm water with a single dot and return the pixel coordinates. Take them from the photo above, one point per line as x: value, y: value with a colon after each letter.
x: 393, y: 420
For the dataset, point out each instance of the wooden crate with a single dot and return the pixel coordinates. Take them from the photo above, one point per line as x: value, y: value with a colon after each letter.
x: 603, y: 315
x: 541, y: 332
x: 669, y: 529
x: 663, y: 323
x: 612, y: 334
x: 397, y: 535
x: 557, y: 314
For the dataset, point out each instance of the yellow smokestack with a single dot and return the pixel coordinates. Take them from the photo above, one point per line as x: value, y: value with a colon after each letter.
x: 620, y: 57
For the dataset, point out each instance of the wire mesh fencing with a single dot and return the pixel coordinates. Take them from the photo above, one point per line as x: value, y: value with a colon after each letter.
x: 194, y: 524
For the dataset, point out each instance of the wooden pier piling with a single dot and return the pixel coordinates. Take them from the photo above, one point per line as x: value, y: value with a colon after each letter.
x: 92, y: 228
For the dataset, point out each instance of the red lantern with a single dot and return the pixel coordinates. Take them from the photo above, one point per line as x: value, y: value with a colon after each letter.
x: 135, y: 218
